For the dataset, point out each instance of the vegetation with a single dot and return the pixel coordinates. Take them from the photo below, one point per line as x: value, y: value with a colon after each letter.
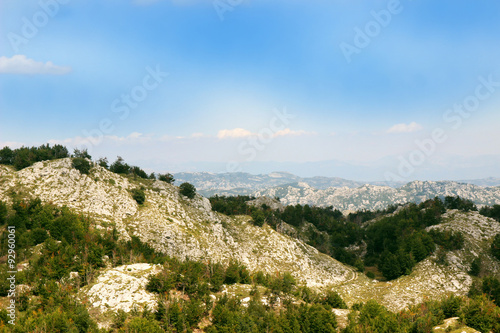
x: 81, y: 164
x: 24, y: 157
x: 138, y: 195
x: 188, y: 190
x: 167, y: 177
x: 493, y: 212
x: 67, y: 243
x: 394, y: 244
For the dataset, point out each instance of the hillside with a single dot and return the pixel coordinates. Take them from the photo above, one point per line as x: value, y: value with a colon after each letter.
x: 432, y: 279
x: 169, y: 222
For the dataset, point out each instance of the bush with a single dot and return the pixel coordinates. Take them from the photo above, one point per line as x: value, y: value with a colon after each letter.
x: 82, y: 164
x: 138, y: 195
x: 188, y: 190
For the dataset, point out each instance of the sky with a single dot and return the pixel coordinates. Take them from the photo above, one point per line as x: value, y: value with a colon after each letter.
x: 365, y: 90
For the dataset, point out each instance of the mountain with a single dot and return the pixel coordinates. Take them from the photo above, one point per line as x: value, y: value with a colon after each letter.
x: 294, y: 189
x: 188, y: 228
x: 485, y: 182
x: 241, y: 183
x: 372, y: 197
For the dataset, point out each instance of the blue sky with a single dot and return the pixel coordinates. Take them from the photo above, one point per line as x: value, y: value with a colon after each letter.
x: 67, y: 67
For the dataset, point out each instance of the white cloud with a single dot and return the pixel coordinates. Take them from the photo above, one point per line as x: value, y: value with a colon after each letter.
x: 20, y: 64
x: 234, y: 133
x: 405, y: 128
x: 243, y: 133
x: 289, y: 132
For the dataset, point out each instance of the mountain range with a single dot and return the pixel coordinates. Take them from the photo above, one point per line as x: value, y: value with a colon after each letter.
x: 340, y: 193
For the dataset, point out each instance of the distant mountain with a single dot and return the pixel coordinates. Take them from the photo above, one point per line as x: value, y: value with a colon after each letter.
x: 486, y: 182
x: 241, y: 183
x: 372, y: 197
x: 341, y: 193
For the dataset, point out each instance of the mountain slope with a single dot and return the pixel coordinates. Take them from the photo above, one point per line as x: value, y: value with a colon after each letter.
x: 170, y: 222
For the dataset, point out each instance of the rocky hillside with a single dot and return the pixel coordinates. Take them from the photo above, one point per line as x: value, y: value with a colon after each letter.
x: 431, y: 279
x: 372, y: 197
x: 169, y: 222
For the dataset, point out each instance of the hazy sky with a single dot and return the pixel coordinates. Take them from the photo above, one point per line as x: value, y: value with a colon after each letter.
x: 357, y: 89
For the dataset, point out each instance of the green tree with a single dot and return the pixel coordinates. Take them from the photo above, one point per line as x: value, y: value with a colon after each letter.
x: 258, y: 217
x: 6, y: 156
x: 103, y: 161
x: 187, y: 190
x: 167, y: 177
x: 82, y: 164
x: 481, y: 314
x: 119, y: 166
x: 495, y: 247
x: 81, y: 153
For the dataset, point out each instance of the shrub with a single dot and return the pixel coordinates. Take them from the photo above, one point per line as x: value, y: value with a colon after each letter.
x: 138, y: 195
x: 82, y: 164
x: 188, y: 190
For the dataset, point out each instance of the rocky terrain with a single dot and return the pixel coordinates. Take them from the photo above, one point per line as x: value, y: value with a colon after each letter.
x: 182, y: 227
